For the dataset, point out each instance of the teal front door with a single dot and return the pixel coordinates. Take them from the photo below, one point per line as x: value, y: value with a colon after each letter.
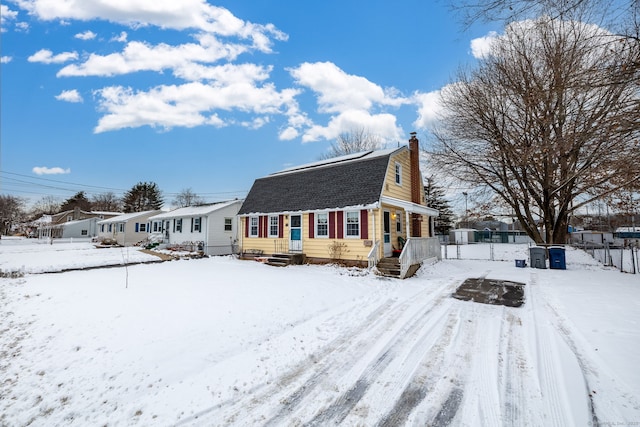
x: 295, y: 233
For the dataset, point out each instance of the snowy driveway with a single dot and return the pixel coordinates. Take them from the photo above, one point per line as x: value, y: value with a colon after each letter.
x: 226, y: 342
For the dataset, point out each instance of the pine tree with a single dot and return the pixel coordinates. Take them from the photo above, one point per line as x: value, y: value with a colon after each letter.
x: 434, y: 197
x: 144, y: 196
x: 79, y: 200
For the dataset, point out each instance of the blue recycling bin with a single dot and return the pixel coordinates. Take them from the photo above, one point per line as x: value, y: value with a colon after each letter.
x: 557, y: 258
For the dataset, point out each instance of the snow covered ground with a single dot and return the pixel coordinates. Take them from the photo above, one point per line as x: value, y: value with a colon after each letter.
x: 219, y: 341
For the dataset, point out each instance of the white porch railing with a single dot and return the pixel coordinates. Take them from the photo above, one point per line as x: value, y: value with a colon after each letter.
x: 416, y: 250
x: 374, y: 255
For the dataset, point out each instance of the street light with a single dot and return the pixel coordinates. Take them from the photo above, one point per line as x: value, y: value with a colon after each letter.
x: 466, y: 208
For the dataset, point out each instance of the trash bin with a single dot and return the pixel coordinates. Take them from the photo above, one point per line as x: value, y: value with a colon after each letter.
x: 557, y: 258
x: 538, y: 257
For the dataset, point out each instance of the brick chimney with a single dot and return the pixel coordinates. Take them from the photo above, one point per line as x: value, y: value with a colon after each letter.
x: 416, y: 184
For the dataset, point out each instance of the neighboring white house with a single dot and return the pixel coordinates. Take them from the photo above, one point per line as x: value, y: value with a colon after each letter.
x: 127, y: 229
x: 214, y: 226
x: 82, y: 228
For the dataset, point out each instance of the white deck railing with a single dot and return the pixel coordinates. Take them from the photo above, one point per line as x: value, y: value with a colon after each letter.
x: 416, y: 250
x: 374, y: 255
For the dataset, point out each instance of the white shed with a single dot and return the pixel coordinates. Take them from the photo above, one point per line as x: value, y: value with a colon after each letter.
x: 214, y: 227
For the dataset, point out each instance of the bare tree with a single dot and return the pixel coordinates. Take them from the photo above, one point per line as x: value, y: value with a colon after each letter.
x: 106, y: 202
x: 11, y: 212
x: 47, y: 205
x: 186, y: 197
x: 353, y: 141
x: 549, y: 121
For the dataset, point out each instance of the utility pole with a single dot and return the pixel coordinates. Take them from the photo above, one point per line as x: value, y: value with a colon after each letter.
x: 466, y: 208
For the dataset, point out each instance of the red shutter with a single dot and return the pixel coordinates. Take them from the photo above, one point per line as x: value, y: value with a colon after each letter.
x: 247, y: 220
x: 265, y: 226
x: 364, y: 224
x: 260, y: 226
x: 312, y: 225
x: 280, y: 226
x: 332, y: 225
x: 340, y: 219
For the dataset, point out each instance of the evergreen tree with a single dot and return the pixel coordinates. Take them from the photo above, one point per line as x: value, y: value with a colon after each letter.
x: 79, y: 200
x: 434, y: 197
x: 144, y: 196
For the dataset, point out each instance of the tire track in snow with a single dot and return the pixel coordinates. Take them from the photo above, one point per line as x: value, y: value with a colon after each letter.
x: 422, y: 379
x: 590, y: 375
x: 414, y: 332
x: 269, y: 389
x: 512, y: 363
x: 340, y: 407
x: 337, y: 356
x: 557, y: 401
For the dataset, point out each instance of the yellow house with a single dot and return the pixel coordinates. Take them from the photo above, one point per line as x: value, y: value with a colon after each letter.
x: 364, y: 209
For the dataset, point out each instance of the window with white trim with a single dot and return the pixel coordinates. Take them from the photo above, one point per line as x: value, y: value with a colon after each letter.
x: 273, y: 226
x: 399, y: 222
x: 253, y: 226
x: 352, y: 220
x: 197, y: 224
x: 143, y: 227
x: 398, y: 173
x: 177, y: 224
x: 102, y: 228
x: 121, y: 227
x: 322, y: 224
x: 84, y: 232
x: 228, y: 224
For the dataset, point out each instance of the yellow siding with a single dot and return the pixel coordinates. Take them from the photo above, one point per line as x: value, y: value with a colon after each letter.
x: 319, y: 247
x: 390, y: 188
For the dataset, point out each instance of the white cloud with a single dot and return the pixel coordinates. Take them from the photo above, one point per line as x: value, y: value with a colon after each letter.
x: 69, y: 96
x: 5, y: 59
x: 22, y: 27
x: 338, y: 91
x: 47, y: 57
x: 140, y: 56
x: 288, y: 134
x: 87, y: 35
x: 190, y: 105
x: 481, y: 47
x: 122, y: 37
x: 6, y: 15
x: 43, y: 170
x: 428, y: 108
x: 179, y: 15
x: 349, y: 99
x: 384, y: 125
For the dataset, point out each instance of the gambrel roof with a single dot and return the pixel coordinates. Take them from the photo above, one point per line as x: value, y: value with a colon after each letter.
x: 347, y: 181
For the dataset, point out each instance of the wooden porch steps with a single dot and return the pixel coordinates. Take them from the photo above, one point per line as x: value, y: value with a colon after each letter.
x: 282, y: 260
x: 389, y: 267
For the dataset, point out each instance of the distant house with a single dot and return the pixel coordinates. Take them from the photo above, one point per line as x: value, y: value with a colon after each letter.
x: 127, y: 229
x: 213, y: 226
x: 68, y: 224
x: 355, y: 209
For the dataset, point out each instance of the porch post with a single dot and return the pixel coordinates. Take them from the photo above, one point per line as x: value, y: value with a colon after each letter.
x: 408, y: 222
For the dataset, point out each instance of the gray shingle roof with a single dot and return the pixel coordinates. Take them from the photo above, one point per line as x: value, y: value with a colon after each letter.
x: 329, y: 185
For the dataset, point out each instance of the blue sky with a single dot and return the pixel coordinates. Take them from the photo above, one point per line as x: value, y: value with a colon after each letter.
x: 210, y: 95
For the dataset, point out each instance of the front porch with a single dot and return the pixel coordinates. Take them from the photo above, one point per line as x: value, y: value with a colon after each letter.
x: 416, y: 250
